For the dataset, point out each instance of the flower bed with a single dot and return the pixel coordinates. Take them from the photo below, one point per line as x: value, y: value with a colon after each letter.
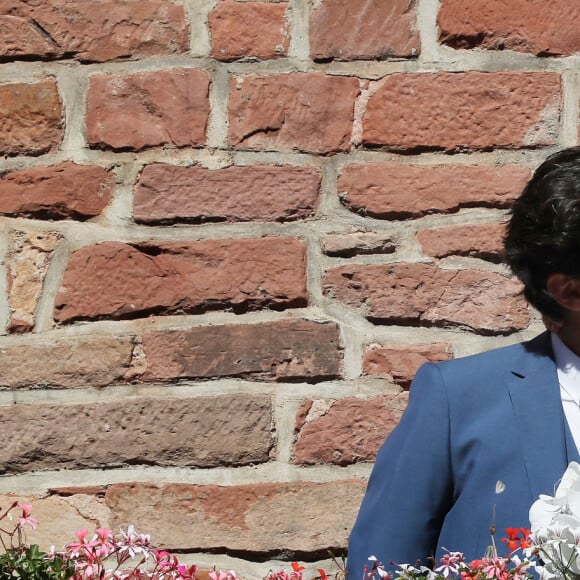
x: 103, y: 555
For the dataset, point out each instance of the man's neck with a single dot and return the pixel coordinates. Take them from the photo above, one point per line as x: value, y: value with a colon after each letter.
x: 569, y: 333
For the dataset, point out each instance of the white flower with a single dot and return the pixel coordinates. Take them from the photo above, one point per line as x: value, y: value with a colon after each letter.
x: 555, y: 524
x: 564, y: 507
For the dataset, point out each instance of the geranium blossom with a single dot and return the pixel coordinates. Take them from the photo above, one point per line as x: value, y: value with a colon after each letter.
x: 555, y: 523
x: 229, y: 575
x: 376, y: 569
x: 283, y: 575
x: 75, y: 548
x: 517, y: 538
x: 452, y: 566
x: 450, y: 563
x: 26, y: 520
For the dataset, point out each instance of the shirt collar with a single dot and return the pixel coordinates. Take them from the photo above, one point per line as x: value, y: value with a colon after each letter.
x: 568, y: 364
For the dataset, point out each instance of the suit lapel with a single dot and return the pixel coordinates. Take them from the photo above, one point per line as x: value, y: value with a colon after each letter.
x: 539, y: 416
x: 571, y: 450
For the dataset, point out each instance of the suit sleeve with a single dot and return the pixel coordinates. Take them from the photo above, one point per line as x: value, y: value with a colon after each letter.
x: 411, y: 486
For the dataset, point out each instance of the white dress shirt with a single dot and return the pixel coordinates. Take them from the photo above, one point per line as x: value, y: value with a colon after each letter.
x: 568, y: 364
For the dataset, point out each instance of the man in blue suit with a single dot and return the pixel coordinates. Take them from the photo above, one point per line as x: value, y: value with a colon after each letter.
x: 484, y: 435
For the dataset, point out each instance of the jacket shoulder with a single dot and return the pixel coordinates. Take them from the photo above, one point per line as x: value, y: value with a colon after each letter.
x: 496, y: 362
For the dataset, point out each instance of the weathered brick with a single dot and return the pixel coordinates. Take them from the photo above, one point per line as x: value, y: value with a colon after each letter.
x: 473, y: 110
x: 30, y: 254
x: 419, y: 293
x: 148, y: 109
x: 292, y: 112
x: 169, y: 193
x: 367, y: 29
x: 346, y: 431
x: 534, y: 26
x: 477, y: 240
x: 200, y: 432
x: 110, y: 29
x: 274, y: 351
x: 60, y: 191
x: 249, y: 30
x: 394, y: 191
x: 58, y: 519
x: 355, y: 243
x: 399, y: 363
x: 30, y: 118
x: 117, y: 280
x: 265, y: 517
x: 94, y: 361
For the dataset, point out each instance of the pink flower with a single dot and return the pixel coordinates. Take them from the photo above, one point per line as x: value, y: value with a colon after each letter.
x: 279, y: 575
x: 88, y: 569
x: 104, y: 534
x: 74, y: 549
x: 26, y: 520
x: 102, y: 543
x: 229, y: 575
x: 164, y: 560
x: 495, y: 568
x: 188, y: 571
x: 450, y: 563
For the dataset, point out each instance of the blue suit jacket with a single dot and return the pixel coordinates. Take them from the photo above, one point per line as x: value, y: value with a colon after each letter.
x: 470, y: 423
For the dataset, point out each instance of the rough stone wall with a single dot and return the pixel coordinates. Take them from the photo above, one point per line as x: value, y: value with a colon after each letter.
x: 232, y: 230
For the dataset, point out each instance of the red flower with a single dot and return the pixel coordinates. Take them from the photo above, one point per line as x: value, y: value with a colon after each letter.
x: 517, y: 538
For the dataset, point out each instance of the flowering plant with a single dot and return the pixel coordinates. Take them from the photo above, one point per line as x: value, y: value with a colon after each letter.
x: 22, y: 561
x: 125, y: 556
x: 297, y: 574
x: 104, y: 556
x: 453, y: 566
x: 555, y: 523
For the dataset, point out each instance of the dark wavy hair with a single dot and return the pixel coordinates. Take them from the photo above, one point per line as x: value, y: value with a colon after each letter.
x: 543, y: 233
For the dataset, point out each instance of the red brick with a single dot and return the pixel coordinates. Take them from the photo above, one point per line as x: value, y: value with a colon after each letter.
x: 109, y: 29
x: 292, y: 112
x: 148, y: 109
x: 168, y: 193
x: 94, y: 361
x: 476, y: 240
x: 116, y: 280
x: 424, y: 294
x: 399, y: 363
x: 30, y: 118
x: 249, y: 30
x: 394, y: 191
x: 346, y: 431
x: 274, y: 351
x: 466, y: 110
x: 61, y: 191
x: 535, y: 26
x: 266, y: 517
x: 201, y: 432
x: 29, y: 256
x: 367, y: 29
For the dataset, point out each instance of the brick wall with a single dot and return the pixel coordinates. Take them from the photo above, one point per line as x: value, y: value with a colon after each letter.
x: 231, y: 231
